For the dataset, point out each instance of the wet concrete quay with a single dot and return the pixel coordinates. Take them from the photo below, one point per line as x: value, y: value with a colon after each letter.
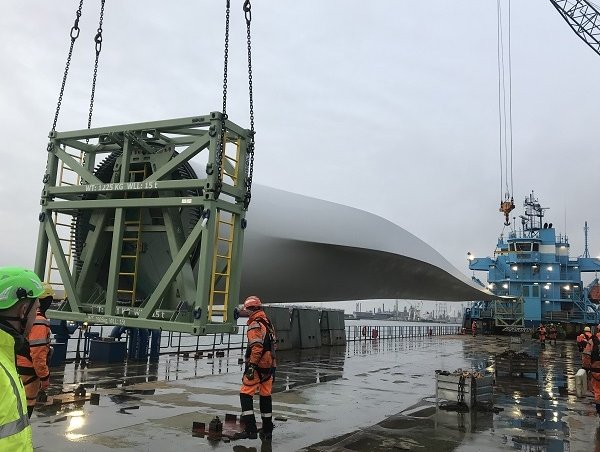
x: 369, y: 396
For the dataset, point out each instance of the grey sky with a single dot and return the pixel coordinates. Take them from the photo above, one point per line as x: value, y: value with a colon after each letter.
x: 387, y: 106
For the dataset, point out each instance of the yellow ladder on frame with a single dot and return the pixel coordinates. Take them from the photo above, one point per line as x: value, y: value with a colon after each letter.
x: 128, y: 268
x: 233, y: 159
x: 224, y: 237
x: 221, y: 267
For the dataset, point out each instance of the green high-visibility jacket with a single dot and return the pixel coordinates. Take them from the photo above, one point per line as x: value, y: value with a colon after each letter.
x: 15, y: 431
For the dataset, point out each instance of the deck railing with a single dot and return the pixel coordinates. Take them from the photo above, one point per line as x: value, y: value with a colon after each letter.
x: 176, y: 343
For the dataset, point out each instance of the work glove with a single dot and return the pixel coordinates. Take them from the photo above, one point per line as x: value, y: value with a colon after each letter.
x: 249, y: 373
x: 45, y: 383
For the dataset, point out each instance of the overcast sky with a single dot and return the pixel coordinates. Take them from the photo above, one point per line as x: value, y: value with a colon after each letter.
x: 388, y: 106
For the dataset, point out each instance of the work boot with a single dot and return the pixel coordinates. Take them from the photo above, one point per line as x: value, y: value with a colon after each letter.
x: 266, y: 432
x: 264, y: 435
x: 266, y: 412
x: 598, y: 408
x: 247, y: 419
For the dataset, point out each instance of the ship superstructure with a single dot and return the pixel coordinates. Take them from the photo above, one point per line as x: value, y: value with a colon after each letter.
x: 538, y: 280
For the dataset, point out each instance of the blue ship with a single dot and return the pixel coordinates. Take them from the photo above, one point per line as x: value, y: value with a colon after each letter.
x: 537, y: 280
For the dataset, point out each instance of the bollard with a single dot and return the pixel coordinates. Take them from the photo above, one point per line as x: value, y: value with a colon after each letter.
x: 215, y: 426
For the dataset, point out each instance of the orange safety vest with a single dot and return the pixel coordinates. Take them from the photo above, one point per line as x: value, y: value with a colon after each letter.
x: 34, y: 360
x: 587, y: 339
x: 261, y: 348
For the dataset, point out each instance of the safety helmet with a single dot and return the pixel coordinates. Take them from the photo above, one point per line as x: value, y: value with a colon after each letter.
x: 587, y: 329
x: 48, y: 291
x: 252, y: 302
x: 16, y: 284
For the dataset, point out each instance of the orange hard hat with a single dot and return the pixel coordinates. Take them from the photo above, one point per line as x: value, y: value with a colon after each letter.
x: 252, y: 302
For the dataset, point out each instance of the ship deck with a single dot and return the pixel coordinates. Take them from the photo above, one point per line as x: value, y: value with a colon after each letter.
x: 370, y: 395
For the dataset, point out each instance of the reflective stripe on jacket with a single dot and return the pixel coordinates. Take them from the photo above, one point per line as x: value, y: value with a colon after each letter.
x: 39, y: 346
x: 15, y: 431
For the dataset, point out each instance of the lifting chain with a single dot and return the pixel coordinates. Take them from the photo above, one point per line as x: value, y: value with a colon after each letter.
x: 98, y: 41
x: 221, y: 150
x: 250, y: 149
x: 74, y: 35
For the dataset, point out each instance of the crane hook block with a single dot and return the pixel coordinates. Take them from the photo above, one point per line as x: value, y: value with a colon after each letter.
x: 506, y: 207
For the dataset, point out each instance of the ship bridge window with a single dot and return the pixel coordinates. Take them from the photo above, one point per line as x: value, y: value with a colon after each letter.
x: 536, y: 247
x: 523, y: 246
x: 511, y: 247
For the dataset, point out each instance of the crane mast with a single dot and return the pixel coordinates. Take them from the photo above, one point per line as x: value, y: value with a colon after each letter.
x: 584, y: 19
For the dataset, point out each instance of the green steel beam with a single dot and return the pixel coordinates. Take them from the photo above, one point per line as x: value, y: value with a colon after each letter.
x: 176, y: 239
x: 182, y: 201
x: 185, y: 201
x: 184, y: 184
x: 168, y: 124
x: 173, y: 270
x: 76, y: 166
x: 200, y: 144
x: 183, y: 327
x: 61, y: 261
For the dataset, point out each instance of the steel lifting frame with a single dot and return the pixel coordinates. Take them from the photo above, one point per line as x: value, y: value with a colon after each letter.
x: 509, y: 312
x: 189, y: 137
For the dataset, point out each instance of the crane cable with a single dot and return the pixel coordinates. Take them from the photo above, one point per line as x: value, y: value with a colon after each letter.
x: 505, y: 117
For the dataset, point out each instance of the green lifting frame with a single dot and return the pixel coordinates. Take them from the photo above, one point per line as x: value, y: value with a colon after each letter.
x: 140, y: 247
x: 509, y: 312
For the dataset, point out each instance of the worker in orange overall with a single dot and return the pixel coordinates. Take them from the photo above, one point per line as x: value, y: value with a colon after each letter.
x: 552, y: 333
x: 32, y: 360
x: 542, y: 333
x: 584, y: 344
x: 595, y: 368
x: 259, y: 372
x: 474, y: 328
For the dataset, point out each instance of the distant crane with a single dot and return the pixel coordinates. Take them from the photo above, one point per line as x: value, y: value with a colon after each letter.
x: 582, y: 16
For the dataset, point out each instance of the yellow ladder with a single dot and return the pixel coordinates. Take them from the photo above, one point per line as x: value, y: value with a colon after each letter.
x: 128, y: 268
x: 65, y: 225
x: 221, y: 268
x: 233, y: 159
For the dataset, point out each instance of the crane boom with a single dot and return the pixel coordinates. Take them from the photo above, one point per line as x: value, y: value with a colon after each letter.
x: 584, y: 19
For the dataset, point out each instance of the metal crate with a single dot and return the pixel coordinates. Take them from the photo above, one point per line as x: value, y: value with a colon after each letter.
x: 465, y: 389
